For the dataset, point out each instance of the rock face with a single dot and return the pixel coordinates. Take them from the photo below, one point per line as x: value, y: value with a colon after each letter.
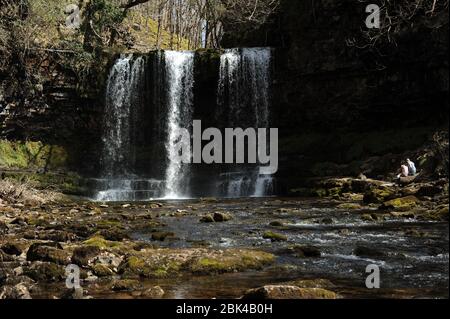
x: 289, y: 292
x: 332, y: 103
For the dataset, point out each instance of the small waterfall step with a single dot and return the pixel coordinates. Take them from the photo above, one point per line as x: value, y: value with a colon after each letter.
x: 118, y: 190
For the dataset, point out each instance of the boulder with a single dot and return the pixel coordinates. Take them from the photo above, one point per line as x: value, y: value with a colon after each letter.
x: 45, y: 271
x: 82, y: 255
x: 19, y: 291
x: 153, y: 293
x: 274, y: 236
x: 401, y: 204
x: 12, y: 248
x: 101, y: 270
x: 288, y: 292
x: 161, y: 236
x: 367, y: 252
x: 125, y: 285
x: 379, y: 194
x: 51, y: 252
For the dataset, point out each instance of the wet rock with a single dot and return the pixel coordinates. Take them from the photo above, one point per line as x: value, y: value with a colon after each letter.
x: 401, y: 204
x: 153, y: 293
x: 19, y: 221
x: 82, y: 255
x: 367, y: 252
x: 349, y: 206
x: 56, y: 235
x: 19, y: 291
x: 125, y: 285
x: 439, y: 214
x: 274, y: 236
x: 228, y: 261
x: 326, y: 221
x: 73, y: 294
x: 12, y: 248
x: 277, y: 223
x: 161, y: 236
x: 217, y: 217
x: 221, y: 217
x: 379, y: 195
x: 372, y: 217
x: 288, y: 292
x: 108, y: 259
x: 51, y: 252
x: 306, y: 251
x: 101, y: 270
x: 430, y: 190
x: 4, y: 257
x: 312, y: 283
x: 207, y: 219
x: 407, y: 180
x: 3, y: 228
x: 114, y: 234
x: 45, y: 271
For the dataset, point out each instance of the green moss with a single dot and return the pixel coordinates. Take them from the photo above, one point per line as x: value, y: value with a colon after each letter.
x: 274, y: 236
x: 231, y: 261
x: 402, y: 204
x: 102, y: 243
x: 25, y: 155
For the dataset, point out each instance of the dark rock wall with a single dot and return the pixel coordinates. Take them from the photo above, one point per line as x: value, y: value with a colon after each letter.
x: 336, y: 104
x: 55, y: 108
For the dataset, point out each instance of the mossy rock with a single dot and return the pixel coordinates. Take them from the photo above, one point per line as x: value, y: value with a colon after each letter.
x: 401, y: 204
x: 45, y: 271
x: 440, y: 214
x: 28, y: 154
x: 82, y: 255
x: 48, y: 252
x: 274, y: 236
x: 379, y: 195
x: 161, y: 236
x: 125, y: 285
x: 231, y: 261
x: 101, y: 270
x: 139, y: 267
x: 102, y: 243
x: 288, y: 292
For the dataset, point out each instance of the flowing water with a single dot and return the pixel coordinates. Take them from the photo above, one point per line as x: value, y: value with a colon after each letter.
x: 149, y: 98
x: 413, y: 256
x: 244, y: 91
x: 180, y: 72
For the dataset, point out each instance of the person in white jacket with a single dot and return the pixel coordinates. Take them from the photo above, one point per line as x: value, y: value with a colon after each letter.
x: 411, y: 167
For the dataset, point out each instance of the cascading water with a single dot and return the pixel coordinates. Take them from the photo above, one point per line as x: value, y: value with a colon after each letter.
x: 180, y: 76
x: 148, y: 98
x: 244, y: 92
x: 118, y: 181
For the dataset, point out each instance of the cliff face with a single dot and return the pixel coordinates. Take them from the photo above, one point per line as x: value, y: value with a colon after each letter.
x: 54, y: 108
x: 337, y: 104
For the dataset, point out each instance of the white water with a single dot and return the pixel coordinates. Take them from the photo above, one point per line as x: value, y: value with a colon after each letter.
x: 118, y: 182
x: 180, y: 76
x: 245, y: 83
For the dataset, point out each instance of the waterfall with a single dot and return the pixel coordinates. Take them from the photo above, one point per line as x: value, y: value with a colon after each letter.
x: 116, y: 134
x: 244, y: 97
x: 149, y: 98
x: 180, y: 77
x: 118, y: 180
